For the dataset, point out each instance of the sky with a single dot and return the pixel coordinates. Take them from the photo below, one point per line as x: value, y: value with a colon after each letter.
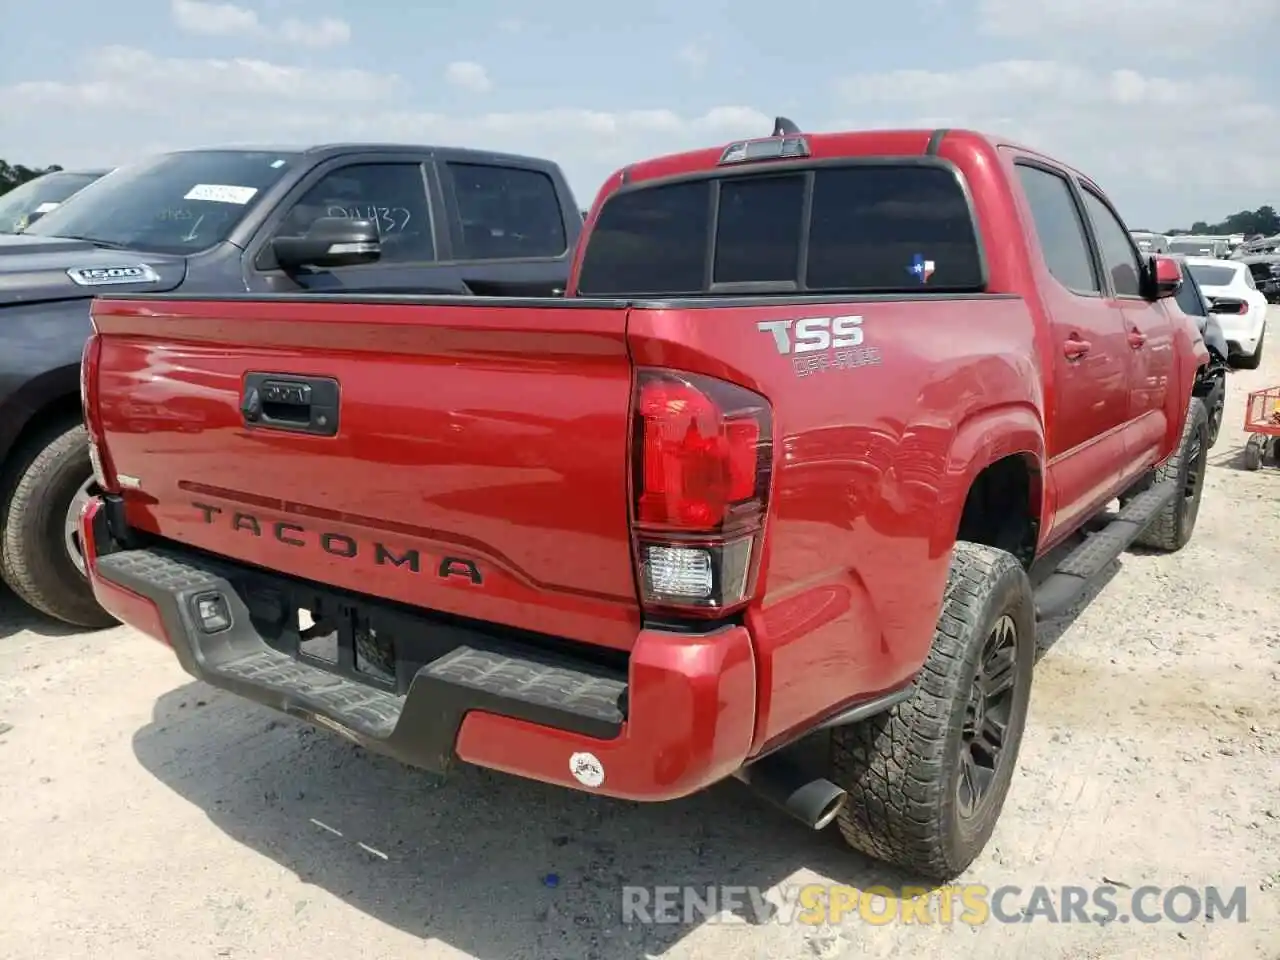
x: 1173, y: 106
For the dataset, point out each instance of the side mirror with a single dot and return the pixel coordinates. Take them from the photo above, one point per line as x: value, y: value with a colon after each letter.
x: 1166, y: 277
x: 33, y: 216
x: 330, y: 242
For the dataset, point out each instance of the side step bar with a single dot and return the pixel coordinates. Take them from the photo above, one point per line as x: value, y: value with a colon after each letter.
x: 1073, y: 574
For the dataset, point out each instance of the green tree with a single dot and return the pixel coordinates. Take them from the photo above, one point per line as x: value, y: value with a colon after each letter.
x: 15, y: 174
x: 1264, y: 220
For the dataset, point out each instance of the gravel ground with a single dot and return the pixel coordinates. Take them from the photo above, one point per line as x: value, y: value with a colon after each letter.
x: 144, y: 815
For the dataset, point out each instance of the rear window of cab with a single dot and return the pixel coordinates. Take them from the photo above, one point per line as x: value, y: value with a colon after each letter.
x: 859, y: 228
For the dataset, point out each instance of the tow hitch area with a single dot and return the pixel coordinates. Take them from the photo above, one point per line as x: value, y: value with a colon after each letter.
x: 398, y: 683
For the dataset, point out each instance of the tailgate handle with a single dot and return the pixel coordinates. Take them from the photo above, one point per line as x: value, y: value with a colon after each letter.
x: 280, y: 401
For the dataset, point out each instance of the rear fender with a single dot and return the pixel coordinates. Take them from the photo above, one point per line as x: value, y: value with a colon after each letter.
x: 39, y: 363
x: 982, y: 439
x: 57, y: 389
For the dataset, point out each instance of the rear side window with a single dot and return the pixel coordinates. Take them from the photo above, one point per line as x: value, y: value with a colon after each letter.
x: 507, y: 213
x: 892, y: 229
x: 862, y: 228
x: 1059, y: 229
x: 649, y: 242
x: 1118, y: 255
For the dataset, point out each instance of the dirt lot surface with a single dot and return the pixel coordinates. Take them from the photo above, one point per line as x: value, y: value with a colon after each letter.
x: 145, y: 815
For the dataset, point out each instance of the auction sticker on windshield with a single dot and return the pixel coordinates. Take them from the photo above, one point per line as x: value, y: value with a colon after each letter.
x: 221, y: 193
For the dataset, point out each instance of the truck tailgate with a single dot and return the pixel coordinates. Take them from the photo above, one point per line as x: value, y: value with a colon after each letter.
x: 476, y: 463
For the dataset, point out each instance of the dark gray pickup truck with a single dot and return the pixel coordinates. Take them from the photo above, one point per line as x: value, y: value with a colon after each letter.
x: 356, y: 218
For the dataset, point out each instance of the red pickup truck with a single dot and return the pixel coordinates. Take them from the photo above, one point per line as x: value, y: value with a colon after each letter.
x: 761, y: 497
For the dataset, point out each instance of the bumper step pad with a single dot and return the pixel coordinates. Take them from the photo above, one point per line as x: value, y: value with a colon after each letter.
x: 486, y: 672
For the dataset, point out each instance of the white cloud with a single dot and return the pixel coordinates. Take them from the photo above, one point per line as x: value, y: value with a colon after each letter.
x: 1170, y: 148
x: 1155, y: 28
x: 468, y: 75
x: 130, y: 102
x: 214, y: 19
x: 229, y: 20
x: 1198, y: 147
x: 325, y: 32
x: 695, y: 56
x: 137, y: 81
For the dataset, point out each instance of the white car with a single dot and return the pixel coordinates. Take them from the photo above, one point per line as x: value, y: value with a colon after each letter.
x: 1236, y: 303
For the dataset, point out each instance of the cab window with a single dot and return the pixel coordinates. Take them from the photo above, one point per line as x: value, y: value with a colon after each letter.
x: 506, y: 213
x: 391, y: 195
x: 1118, y: 255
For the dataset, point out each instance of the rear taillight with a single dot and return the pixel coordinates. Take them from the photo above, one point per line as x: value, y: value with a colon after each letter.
x: 102, y: 472
x: 702, y: 467
x: 1230, y: 305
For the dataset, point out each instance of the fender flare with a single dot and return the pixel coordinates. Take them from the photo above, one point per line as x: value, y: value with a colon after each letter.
x: 26, y: 403
x: 986, y: 436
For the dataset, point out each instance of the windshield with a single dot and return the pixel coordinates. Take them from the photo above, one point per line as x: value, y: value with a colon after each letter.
x: 1215, y: 276
x: 175, y: 203
x: 883, y: 228
x: 39, y: 196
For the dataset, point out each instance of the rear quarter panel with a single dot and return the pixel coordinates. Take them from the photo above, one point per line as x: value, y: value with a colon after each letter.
x: 875, y: 448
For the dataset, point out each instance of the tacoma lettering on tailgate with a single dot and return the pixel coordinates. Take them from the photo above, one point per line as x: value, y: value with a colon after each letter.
x: 338, y: 544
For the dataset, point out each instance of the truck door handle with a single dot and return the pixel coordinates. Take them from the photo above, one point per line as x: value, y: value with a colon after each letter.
x: 1075, y: 348
x: 297, y: 404
x: 1136, y: 338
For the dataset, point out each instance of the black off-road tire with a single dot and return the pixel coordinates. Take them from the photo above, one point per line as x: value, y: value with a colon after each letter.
x: 34, y: 501
x: 903, y: 769
x: 1174, y: 524
x: 1215, y: 402
x: 1251, y: 361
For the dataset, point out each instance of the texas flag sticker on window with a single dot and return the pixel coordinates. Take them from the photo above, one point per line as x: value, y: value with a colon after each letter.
x: 921, y: 269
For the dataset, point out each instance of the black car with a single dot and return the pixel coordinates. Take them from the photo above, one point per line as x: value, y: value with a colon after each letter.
x: 1211, y: 385
x: 1265, y: 268
x: 29, y: 201
x: 356, y: 218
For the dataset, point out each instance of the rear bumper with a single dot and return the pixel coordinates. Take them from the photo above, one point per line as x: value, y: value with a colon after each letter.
x: 1242, y: 335
x: 677, y: 719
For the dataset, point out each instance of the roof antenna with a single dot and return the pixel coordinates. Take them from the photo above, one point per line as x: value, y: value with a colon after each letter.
x: 783, y: 127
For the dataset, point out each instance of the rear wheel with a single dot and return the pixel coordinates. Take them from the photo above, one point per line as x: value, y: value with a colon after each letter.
x: 927, y: 780
x: 41, y: 556
x: 1174, y: 524
x: 1215, y: 402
